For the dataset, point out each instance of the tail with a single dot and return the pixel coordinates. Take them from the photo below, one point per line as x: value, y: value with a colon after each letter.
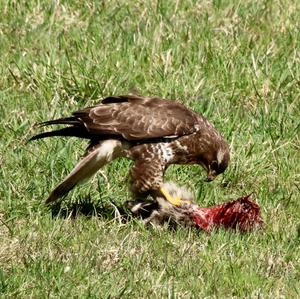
x: 96, y: 157
x: 75, y: 128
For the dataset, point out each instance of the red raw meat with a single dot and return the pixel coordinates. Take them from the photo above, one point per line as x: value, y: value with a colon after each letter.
x: 241, y: 214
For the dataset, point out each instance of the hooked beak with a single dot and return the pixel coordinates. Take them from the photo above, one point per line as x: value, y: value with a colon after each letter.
x: 211, y: 174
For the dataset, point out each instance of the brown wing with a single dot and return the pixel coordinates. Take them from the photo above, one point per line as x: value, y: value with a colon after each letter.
x: 137, y: 118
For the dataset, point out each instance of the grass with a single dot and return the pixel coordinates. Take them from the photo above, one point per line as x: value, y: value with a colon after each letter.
x: 237, y: 62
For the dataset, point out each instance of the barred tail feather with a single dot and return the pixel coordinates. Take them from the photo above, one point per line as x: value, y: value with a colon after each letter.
x: 75, y: 128
x: 65, y: 132
x: 74, y: 121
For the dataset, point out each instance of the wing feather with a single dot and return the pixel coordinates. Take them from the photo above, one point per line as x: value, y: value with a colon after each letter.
x: 138, y: 118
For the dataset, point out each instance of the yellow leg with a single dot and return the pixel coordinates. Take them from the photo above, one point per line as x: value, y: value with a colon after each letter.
x: 176, y: 201
x: 173, y: 200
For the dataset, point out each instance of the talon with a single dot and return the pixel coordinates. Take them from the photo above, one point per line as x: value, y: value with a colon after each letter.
x: 176, y: 201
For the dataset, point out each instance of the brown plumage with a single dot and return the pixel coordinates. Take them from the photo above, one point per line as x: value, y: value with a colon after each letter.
x: 151, y: 131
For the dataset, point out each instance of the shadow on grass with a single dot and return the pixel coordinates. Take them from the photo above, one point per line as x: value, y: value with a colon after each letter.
x: 85, y: 207
x: 107, y: 210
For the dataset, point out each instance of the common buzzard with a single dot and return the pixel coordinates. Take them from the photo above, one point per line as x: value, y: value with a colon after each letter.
x: 151, y: 131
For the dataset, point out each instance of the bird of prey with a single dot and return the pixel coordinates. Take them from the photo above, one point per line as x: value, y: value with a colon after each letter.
x: 151, y: 131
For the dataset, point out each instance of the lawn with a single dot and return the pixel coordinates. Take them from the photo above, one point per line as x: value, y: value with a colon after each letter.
x: 236, y: 62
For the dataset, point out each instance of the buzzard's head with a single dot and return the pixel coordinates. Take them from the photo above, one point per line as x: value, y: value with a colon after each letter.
x: 215, y: 161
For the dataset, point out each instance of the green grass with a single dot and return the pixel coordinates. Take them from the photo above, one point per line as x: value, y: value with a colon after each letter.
x: 237, y: 62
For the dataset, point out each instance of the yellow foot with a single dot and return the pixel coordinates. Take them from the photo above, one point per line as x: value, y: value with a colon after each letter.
x: 176, y: 201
